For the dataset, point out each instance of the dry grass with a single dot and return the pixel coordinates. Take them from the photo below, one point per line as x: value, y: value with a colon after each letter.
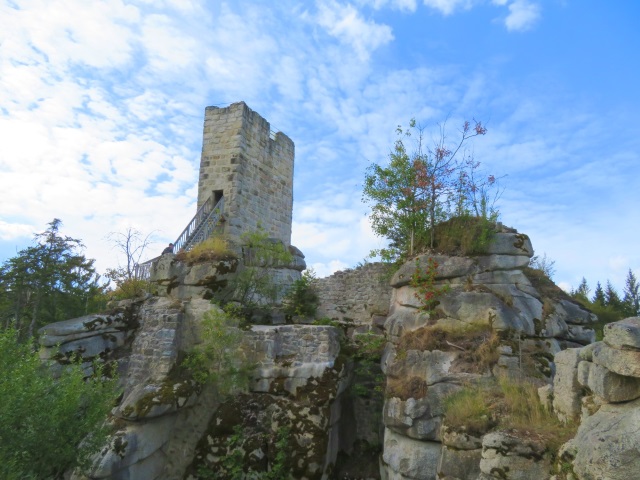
x: 477, y: 343
x: 213, y: 248
x: 509, y: 404
x: 405, y: 388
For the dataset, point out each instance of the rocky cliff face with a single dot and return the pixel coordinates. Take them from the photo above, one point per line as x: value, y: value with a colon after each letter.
x: 497, y: 318
x: 520, y: 327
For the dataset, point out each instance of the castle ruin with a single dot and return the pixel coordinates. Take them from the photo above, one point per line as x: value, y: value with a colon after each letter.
x: 251, y: 167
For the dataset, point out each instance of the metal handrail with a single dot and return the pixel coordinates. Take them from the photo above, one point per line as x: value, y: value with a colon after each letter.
x: 199, y: 228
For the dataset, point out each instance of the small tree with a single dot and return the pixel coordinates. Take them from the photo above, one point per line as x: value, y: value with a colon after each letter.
x: 582, y: 292
x: 130, y: 244
x: 598, y: 296
x: 254, y: 284
x: 631, y: 298
x: 418, y: 189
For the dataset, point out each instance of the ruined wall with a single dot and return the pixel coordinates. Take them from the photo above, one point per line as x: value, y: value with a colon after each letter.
x: 361, y: 295
x: 252, y: 168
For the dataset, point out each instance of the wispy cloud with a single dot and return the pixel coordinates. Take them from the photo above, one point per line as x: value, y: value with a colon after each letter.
x: 522, y: 15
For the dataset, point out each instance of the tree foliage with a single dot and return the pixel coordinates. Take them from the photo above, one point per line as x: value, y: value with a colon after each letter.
x: 47, y: 425
x: 418, y: 189
x: 48, y: 282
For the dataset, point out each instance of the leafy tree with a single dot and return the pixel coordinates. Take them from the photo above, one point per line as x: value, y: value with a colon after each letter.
x: 631, y: 298
x: 419, y: 189
x: 48, y: 282
x: 47, y: 425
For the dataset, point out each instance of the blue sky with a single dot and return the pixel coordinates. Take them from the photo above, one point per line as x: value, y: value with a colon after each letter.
x: 102, y: 104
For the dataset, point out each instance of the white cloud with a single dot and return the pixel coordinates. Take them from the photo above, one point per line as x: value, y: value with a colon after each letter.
x: 447, y: 7
x: 345, y: 23
x: 10, y: 231
x: 522, y: 15
x: 402, y: 5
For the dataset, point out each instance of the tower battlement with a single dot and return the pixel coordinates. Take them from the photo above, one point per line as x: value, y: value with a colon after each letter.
x: 252, y: 167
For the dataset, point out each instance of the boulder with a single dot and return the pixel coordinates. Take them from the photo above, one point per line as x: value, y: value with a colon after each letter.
x: 607, y: 385
x: 607, y: 443
x: 567, y: 392
x: 624, y: 334
x: 457, y: 464
x: 419, y: 418
x: 448, y: 267
x: 507, y: 455
x: 511, y: 244
x: 624, y: 362
x: 406, y: 458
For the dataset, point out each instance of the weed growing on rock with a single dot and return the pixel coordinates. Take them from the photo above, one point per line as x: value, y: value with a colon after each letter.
x: 508, y: 404
x: 220, y: 359
x: 424, y: 282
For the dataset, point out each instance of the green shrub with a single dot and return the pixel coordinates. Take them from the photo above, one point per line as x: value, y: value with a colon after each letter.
x: 424, y: 282
x: 220, y: 358
x: 130, y: 288
x: 302, y: 299
x: 48, y: 425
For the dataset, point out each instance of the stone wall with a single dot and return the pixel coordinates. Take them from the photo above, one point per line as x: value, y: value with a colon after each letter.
x: 253, y: 170
x: 361, y: 295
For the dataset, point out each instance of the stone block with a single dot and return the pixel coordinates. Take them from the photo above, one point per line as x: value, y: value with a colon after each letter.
x: 623, y: 362
x: 624, y: 334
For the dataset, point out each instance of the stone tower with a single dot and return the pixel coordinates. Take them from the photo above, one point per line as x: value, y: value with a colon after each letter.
x: 251, y: 167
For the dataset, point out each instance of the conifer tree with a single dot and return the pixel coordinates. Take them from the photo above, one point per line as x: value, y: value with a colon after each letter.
x: 598, y: 296
x: 612, y: 299
x: 631, y: 298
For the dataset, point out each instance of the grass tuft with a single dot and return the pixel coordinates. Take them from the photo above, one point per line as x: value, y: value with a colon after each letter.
x: 508, y: 404
x: 213, y: 248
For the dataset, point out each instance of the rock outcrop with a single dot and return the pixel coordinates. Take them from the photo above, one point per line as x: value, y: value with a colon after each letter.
x: 313, y: 397
x: 599, y: 386
x: 515, y: 324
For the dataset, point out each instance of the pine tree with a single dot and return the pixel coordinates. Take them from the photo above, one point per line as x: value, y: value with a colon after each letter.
x: 631, y: 298
x: 598, y: 296
x: 612, y: 299
x: 582, y: 292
